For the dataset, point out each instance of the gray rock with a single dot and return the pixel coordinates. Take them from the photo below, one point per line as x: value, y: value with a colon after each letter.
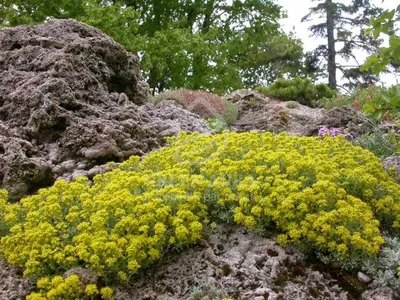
x: 78, y: 173
x: 380, y: 293
x: 57, y: 170
x: 238, y: 264
x: 71, y: 94
x: 171, y: 119
x: 12, y: 283
x: 261, y: 113
x: 68, y: 165
x: 81, y: 166
x: 65, y: 177
x: 95, y: 170
x: 364, y: 278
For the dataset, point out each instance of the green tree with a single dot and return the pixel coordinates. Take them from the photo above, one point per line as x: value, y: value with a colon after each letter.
x: 343, y: 26
x: 387, y: 104
x: 215, y: 45
x: 385, y: 56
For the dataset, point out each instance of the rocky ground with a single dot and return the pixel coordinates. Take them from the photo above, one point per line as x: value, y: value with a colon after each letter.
x: 231, y: 262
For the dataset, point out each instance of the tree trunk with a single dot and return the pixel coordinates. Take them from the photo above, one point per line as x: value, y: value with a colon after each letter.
x: 330, y: 26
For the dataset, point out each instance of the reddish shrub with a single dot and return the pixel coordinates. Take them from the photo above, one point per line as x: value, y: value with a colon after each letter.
x: 206, y: 105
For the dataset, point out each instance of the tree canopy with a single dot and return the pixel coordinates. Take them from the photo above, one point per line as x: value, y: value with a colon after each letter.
x: 215, y: 45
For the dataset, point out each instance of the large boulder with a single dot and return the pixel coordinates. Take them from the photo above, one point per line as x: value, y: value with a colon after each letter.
x: 71, y: 98
x: 260, y: 112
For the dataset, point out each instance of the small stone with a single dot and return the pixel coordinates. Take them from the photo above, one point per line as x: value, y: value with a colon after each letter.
x: 94, y: 171
x: 262, y: 291
x: 81, y: 166
x: 79, y: 173
x: 57, y: 170
x: 68, y: 165
x: 364, y: 278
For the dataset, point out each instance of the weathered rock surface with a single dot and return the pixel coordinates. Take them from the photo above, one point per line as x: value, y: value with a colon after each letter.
x: 380, y: 293
x: 233, y: 263
x: 392, y: 163
x: 12, y: 285
x: 167, y: 113
x: 259, y: 112
x: 68, y: 92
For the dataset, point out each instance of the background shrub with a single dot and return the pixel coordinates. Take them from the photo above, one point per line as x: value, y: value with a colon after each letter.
x: 206, y: 105
x: 299, y: 89
x: 358, y: 98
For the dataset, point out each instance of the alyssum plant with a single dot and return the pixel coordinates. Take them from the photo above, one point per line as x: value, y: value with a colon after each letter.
x: 322, y: 194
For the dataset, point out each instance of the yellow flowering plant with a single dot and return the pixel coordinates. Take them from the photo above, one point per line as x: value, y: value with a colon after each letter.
x: 321, y: 194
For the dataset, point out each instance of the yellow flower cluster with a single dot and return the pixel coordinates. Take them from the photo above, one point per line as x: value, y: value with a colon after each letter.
x: 58, y: 288
x: 323, y: 194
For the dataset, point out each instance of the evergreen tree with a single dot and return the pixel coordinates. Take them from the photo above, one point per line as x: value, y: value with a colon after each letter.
x: 343, y: 25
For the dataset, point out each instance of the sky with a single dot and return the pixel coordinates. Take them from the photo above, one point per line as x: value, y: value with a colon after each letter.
x: 296, y: 9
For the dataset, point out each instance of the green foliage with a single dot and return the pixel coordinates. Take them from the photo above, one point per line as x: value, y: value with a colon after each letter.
x: 208, y: 45
x: 217, y: 125
x: 292, y: 104
x: 378, y: 142
x: 299, y: 89
x: 321, y: 194
x: 357, y: 98
x: 207, y: 292
x: 230, y: 115
x: 378, y: 62
x: 386, y: 267
x: 385, y: 105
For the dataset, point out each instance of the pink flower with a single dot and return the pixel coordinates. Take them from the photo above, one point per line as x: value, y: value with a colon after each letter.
x: 322, y: 131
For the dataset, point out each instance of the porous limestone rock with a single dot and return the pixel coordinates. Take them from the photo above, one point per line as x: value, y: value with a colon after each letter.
x: 12, y: 285
x: 380, y: 293
x: 69, y: 95
x: 233, y: 263
x: 259, y: 112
